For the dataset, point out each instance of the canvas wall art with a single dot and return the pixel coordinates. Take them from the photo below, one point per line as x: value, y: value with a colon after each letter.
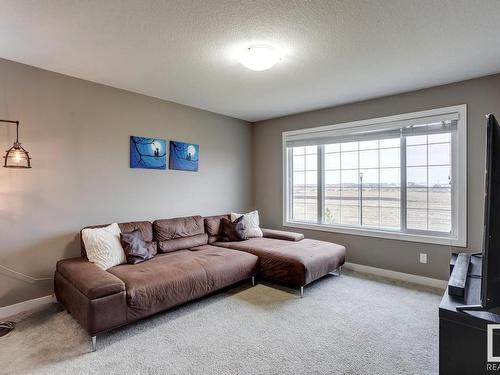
x: 184, y: 156
x: 149, y: 153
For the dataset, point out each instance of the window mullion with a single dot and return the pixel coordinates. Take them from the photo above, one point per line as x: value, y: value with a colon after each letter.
x: 427, y: 188
x: 290, y: 185
x: 454, y: 166
x: 360, y: 190
x: 402, y: 188
x: 321, y: 184
x: 340, y: 185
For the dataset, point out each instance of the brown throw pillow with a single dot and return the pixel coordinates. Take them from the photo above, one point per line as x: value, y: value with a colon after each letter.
x: 232, y: 230
x: 136, y: 249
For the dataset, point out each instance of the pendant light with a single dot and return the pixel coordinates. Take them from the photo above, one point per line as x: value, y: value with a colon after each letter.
x: 16, y: 156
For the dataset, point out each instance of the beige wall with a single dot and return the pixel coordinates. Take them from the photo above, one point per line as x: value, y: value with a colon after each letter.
x: 481, y: 95
x: 78, y: 135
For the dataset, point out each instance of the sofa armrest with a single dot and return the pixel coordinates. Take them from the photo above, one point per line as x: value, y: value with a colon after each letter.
x: 89, y: 279
x: 282, y: 235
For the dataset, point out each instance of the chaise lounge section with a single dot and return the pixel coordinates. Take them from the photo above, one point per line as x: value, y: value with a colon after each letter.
x: 192, y: 262
x: 295, y: 264
x: 285, y: 257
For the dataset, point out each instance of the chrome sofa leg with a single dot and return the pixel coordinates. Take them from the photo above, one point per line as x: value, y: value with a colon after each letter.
x: 94, y: 343
x: 301, y: 292
x: 253, y: 280
x: 337, y: 271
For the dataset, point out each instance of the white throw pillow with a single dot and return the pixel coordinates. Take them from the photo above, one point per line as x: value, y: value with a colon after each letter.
x: 103, y: 246
x: 250, y: 222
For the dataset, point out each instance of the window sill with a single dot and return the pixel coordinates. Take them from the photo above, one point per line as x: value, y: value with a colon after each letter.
x: 449, y: 241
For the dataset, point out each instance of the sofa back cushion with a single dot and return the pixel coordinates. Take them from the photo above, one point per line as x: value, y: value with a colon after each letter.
x: 183, y: 243
x: 179, y: 233
x: 145, y: 227
x: 213, y: 227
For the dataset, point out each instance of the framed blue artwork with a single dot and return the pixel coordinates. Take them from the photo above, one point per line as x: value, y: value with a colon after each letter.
x: 149, y: 153
x: 184, y: 156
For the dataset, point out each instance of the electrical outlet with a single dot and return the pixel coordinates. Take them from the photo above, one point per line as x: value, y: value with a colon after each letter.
x: 423, y: 258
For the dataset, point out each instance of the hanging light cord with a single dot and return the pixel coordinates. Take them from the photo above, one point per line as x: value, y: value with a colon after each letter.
x: 7, y: 326
x: 17, y: 127
x: 26, y: 276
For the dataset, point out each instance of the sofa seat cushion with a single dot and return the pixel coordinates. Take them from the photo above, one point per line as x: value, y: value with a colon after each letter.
x: 160, y: 283
x: 225, y: 266
x: 293, y: 263
x: 174, y: 278
x: 92, y: 281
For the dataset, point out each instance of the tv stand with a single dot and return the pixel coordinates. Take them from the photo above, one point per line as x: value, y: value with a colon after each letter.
x: 463, y: 328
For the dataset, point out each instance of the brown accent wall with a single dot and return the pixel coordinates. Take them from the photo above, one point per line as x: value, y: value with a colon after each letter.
x: 481, y: 95
x: 78, y: 135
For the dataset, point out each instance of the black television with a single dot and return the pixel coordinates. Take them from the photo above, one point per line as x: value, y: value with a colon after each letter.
x: 490, y: 271
x: 490, y: 274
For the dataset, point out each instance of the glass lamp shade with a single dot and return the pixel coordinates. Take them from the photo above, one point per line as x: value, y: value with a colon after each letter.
x: 259, y: 58
x: 17, y: 157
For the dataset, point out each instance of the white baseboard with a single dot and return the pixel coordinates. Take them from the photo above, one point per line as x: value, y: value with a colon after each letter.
x: 25, y: 306
x: 421, y: 280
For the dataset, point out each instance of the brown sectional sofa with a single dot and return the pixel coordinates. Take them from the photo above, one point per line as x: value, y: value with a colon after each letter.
x: 192, y: 261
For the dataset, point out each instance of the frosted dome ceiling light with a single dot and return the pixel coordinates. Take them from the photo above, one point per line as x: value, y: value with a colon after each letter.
x: 259, y: 57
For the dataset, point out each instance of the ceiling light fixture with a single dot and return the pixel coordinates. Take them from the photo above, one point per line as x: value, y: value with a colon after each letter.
x: 259, y: 57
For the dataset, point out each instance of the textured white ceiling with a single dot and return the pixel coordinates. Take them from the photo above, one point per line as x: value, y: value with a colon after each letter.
x: 335, y: 51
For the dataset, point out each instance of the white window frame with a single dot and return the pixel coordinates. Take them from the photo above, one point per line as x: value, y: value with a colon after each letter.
x: 458, y: 237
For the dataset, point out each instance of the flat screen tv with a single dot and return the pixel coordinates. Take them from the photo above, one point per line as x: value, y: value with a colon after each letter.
x: 490, y: 275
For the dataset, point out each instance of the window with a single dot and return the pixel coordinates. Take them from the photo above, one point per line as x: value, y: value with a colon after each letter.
x: 305, y: 187
x: 400, y: 177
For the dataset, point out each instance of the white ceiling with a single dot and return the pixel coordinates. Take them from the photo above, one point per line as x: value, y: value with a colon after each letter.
x: 335, y: 52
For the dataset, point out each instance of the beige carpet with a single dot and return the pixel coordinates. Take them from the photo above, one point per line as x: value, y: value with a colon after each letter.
x: 352, y: 324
